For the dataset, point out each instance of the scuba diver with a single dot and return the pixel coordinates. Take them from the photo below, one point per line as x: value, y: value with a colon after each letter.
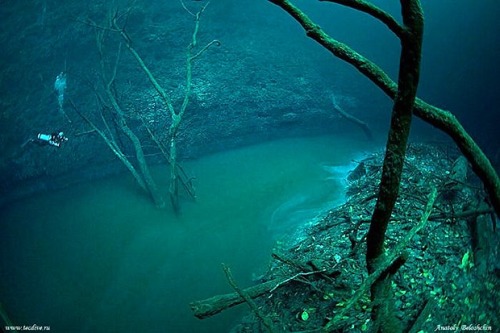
x: 55, y: 139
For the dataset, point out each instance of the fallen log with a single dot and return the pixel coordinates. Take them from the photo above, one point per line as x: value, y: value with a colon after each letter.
x: 216, y: 304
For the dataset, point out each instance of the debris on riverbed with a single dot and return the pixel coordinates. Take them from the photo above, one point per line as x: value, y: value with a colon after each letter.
x: 317, y: 276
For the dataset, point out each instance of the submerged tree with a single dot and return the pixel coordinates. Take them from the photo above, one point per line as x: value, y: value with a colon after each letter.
x: 108, y: 105
x: 409, y: 74
x: 405, y: 104
x: 116, y: 24
x: 175, y: 115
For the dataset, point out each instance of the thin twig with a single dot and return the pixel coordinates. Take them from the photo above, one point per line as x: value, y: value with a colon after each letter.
x: 215, y: 41
x: 265, y: 320
x: 187, y: 10
x: 293, y: 277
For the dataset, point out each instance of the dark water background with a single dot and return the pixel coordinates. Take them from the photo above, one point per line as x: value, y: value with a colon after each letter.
x: 99, y: 258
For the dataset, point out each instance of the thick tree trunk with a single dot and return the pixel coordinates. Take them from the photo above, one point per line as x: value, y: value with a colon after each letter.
x: 409, y: 73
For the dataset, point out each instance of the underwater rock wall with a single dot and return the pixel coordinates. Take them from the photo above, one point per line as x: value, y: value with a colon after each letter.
x: 257, y: 86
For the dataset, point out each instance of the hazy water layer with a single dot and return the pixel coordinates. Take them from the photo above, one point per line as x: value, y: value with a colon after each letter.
x: 100, y: 258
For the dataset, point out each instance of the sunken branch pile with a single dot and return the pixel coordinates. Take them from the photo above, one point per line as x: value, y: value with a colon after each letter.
x: 440, y: 242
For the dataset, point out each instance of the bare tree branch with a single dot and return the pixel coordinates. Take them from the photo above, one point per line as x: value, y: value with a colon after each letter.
x: 371, y: 9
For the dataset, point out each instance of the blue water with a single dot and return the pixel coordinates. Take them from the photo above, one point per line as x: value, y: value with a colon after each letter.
x: 100, y: 258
